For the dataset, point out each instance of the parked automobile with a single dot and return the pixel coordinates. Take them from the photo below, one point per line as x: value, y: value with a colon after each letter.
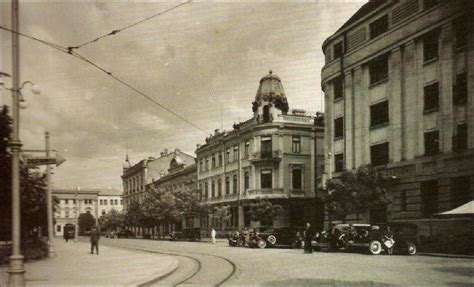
x: 236, y: 239
x: 404, y: 237
x: 191, y: 234
x: 285, y: 236
x: 124, y: 233
x: 69, y: 231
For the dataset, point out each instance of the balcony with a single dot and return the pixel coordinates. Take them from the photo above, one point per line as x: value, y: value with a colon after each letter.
x: 265, y: 193
x: 266, y: 156
x: 223, y: 198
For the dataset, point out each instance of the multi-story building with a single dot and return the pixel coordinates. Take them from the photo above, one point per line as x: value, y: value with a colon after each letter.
x: 94, y: 201
x: 399, y: 93
x: 136, y: 177
x: 70, y: 201
x: 277, y: 154
x: 110, y: 199
x: 181, y: 177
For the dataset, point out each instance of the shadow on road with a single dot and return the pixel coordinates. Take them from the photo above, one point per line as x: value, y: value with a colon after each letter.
x: 461, y: 271
x: 322, y: 282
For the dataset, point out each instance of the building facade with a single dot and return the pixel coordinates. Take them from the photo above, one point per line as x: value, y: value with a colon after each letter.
x: 136, y: 177
x: 399, y: 93
x: 277, y: 154
x: 109, y: 199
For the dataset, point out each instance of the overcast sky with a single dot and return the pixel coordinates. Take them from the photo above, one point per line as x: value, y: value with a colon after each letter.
x: 192, y: 60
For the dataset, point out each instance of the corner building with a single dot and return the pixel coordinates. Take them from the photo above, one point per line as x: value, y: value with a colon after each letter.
x: 399, y: 93
x: 277, y: 155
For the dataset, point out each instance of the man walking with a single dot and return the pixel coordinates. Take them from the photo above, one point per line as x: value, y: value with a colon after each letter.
x: 213, y: 235
x: 95, y: 235
x: 308, y: 236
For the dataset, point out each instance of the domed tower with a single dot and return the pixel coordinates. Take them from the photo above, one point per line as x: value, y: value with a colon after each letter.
x: 126, y: 164
x: 270, y: 100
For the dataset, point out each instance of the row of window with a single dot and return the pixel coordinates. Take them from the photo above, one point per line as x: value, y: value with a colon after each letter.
x: 381, y: 25
x: 265, y: 149
x: 266, y: 181
x: 134, y: 184
x: 379, y: 113
x: 112, y: 201
x: 379, y: 153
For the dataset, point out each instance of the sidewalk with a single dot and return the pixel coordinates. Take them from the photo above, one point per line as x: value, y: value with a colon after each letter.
x: 74, y: 265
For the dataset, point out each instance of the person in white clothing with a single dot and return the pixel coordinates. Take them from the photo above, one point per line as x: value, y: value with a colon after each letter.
x: 213, y: 236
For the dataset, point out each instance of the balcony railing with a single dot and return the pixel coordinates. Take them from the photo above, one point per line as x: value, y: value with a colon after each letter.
x: 267, y: 155
x: 271, y: 192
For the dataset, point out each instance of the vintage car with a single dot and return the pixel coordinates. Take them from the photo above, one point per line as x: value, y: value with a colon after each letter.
x: 124, y: 233
x: 237, y: 239
x: 191, y: 234
x: 404, y: 237
x: 365, y: 237
x: 323, y: 240
x: 285, y: 236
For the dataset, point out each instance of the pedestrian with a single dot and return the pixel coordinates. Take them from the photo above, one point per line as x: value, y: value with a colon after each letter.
x: 95, y: 236
x: 388, y: 240
x: 66, y: 235
x: 334, y: 234
x: 308, y: 236
x: 213, y: 236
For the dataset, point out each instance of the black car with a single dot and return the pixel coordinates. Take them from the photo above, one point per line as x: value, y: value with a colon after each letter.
x: 191, y: 234
x: 404, y: 237
x: 236, y: 239
x: 124, y: 233
x: 285, y: 236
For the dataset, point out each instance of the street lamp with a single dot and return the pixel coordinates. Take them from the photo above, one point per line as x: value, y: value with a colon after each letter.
x: 16, y: 271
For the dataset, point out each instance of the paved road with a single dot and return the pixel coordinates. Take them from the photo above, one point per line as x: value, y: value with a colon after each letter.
x: 204, y: 263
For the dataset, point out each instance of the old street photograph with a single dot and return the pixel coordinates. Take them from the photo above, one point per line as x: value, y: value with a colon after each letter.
x: 237, y: 143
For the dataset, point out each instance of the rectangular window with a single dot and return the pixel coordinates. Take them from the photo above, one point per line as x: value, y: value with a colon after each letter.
x: 403, y: 200
x: 206, y: 190
x: 460, y: 191
x: 246, y: 151
x: 431, y: 45
x: 431, y: 97
x: 379, y: 154
x: 296, y: 144
x: 429, y: 198
x: 461, y: 31
x: 338, y: 88
x: 213, y: 161
x: 266, y: 178
x: 379, y: 114
x: 430, y: 3
x: 432, y: 143
x: 220, y: 158
x: 339, y: 162
x: 219, y: 187
x: 460, y: 142
x: 58, y: 228
x: 378, y: 69
x: 207, y: 163
x: 101, y: 202
x: 266, y: 147
x: 227, y: 185
x: 235, y: 186
x: 460, y: 89
x: 338, y: 50
x: 213, y: 189
x: 379, y: 26
x: 296, y: 179
x: 236, y: 152
x: 227, y: 154
x: 246, y: 181
x: 339, y: 128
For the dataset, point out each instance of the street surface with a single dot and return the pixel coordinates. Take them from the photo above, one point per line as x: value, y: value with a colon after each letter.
x: 202, y: 263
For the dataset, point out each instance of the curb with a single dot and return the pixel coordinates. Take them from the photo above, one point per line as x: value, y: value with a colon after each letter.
x: 161, y: 276
x: 447, y: 255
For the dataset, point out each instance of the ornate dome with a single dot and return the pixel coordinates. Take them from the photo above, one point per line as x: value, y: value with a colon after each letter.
x: 126, y: 164
x: 271, y: 90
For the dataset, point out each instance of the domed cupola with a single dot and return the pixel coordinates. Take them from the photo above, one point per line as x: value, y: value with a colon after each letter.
x: 126, y: 164
x: 270, y: 99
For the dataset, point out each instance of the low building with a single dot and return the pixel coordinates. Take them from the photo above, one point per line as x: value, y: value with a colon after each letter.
x: 110, y: 199
x: 277, y: 154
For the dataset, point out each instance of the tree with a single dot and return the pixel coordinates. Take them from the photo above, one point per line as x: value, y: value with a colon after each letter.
x: 113, y: 220
x: 133, y: 215
x: 221, y: 215
x: 86, y: 222
x: 264, y: 211
x: 33, y: 200
x: 339, y: 197
x: 5, y: 175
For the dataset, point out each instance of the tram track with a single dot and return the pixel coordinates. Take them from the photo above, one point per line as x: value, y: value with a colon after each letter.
x: 190, y: 278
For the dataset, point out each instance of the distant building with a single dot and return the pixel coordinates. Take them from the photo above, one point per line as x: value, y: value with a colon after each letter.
x: 136, y: 177
x: 181, y: 177
x: 277, y: 154
x: 399, y: 93
x: 97, y: 202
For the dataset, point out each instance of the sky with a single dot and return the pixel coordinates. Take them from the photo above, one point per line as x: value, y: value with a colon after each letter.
x: 202, y: 60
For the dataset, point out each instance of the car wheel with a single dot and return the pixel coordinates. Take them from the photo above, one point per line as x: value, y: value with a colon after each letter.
x: 411, y: 249
x: 261, y: 243
x: 272, y: 239
x: 375, y: 247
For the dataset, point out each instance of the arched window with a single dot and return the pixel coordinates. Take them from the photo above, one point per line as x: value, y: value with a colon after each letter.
x: 266, y: 114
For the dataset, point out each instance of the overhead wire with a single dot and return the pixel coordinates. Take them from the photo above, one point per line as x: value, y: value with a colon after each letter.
x: 116, y: 31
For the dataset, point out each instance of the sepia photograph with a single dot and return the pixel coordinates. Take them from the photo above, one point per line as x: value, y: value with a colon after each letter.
x: 236, y: 143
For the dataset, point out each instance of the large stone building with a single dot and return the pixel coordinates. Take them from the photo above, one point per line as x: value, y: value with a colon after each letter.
x: 277, y: 154
x: 136, y: 177
x: 97, y: 202
x: 399, y: 93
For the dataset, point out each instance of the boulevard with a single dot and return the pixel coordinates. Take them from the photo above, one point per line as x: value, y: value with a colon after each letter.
x: 202, y: 263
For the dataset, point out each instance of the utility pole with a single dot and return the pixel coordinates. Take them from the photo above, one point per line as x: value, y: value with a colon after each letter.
x: 51, y: 252
x: 16, y: 271
x: 76, y: 229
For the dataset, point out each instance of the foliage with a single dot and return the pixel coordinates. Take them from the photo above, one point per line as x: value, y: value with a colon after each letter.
x: 86, y: 222
x: 5, y: 174
x: 134, y: 214
x: 33, y: 199
x: 113, y: 220
x: 221, y: 214
x: 264, y: 211
x: 355, y: 192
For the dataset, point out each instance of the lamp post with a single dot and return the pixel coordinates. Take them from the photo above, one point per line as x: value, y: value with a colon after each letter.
x: 49, y: 198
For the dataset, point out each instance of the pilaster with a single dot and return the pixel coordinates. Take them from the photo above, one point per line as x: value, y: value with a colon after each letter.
x: 409, y: 101
x: 446, y: 72
x: 395, y: 105
x: 348, y: 118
